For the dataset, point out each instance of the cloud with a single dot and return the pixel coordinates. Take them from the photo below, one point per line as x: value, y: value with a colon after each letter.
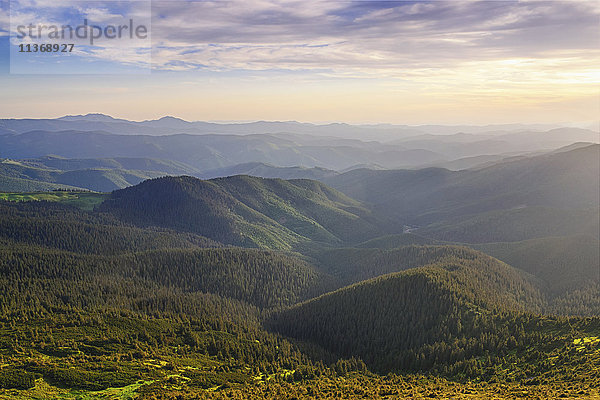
x: 397, y: 39
x: 40, y: 19
x: 369, y: 36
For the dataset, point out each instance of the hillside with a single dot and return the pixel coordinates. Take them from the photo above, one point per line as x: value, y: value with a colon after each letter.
x: 355, y: 265
x: 244, y: 210
x: 10, y: 184
x: 562, y: 179
x: 515, y: 224
x: 139, y: 164
x: 42, y: 177
x: 396, y: 240
x: 522, y: 195
x: 135, y: 296
x: 268, y: 171
x: 567, y: 268
x: 211, y: 151
x: 458, y: 315
x: 565, y: 263
x: 126, y: 281
x: 58, y: 226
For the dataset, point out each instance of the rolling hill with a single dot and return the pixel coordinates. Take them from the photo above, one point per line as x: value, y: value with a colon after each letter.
x: 207, y: 146
x: 245, y: 210
x: 263, y: 170
x: 10, y: 184
x: 563, y: 263
x: 396, y: 240
x: 138, y: 164
x: 143, y: 294
x: 568, y: 266
x: 522, y: 195
x: 558, y: 179
x: 211, y: 151
x: 515, y: 224
x: 479, y: 282
x: 62, y: 227
x: 463, y: 306
x: 19, y: 176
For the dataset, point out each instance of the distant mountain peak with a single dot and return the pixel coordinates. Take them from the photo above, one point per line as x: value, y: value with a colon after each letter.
x: 167, y: 121
x: 171, y: 118
x: 96, y: 117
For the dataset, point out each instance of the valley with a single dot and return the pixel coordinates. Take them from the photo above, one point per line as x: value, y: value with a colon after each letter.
x: 299, y: 200
x: 138, y: 277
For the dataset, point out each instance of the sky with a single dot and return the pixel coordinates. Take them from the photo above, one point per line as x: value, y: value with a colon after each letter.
x: 402, y: 62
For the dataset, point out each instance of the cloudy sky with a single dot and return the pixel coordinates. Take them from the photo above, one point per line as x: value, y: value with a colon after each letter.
x: 354, y: 61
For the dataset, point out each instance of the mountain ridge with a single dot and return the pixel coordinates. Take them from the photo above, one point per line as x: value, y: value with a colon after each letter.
x: 245, y: 210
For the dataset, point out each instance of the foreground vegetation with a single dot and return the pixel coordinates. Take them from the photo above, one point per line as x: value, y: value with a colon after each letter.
x: 83, y: 200
x: 142, y: 294
x: 123, y: 355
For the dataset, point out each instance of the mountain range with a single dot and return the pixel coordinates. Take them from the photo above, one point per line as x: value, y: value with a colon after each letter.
x: 282, y: 265
x: 170, y: 125
x: 115, y: 153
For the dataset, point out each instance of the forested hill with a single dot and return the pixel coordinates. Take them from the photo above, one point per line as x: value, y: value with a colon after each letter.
x: 103, y: 175
x: 458, y: 315
x: 560, y: 181
x: 245, y: 211
x: 565, y: 263
x: 351, y: 265
x: 58, y: 226
x: 128, y: 295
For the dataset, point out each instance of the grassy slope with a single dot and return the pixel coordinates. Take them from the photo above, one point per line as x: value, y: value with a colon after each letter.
x: 306, y: 207
x: 9, y: 184
x: 71, y: 359
x: 103, y: 180
x: 84, y: 200
x: 17, y: 176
